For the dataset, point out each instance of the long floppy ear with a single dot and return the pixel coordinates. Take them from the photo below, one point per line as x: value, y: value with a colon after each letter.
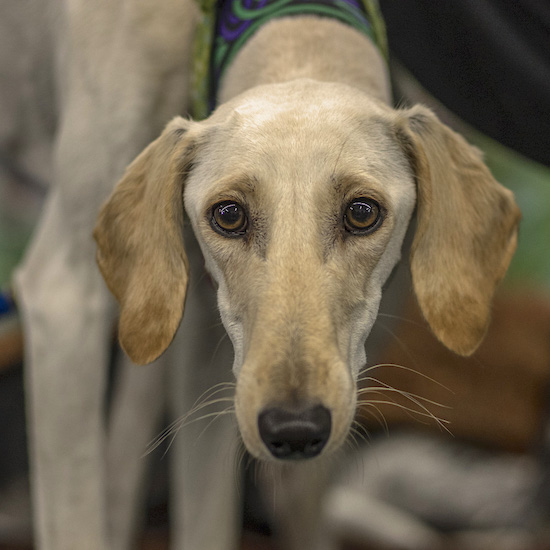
x: 466, y: 233
x: 140, y: 244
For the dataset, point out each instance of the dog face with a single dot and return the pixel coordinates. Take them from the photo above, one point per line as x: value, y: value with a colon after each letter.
x: 322, y: 195
x: 300, y: 195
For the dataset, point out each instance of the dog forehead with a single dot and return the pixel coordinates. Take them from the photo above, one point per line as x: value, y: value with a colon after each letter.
x: 302, y: 126
x: 300, y: 134
x: 303, y: 103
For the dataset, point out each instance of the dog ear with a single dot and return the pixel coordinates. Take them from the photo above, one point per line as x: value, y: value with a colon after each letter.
x: 140, y: 244
x: 466, y: 232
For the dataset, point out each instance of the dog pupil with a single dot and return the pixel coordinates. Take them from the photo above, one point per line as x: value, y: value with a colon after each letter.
x: 231, y: 215
x: 361, y: 212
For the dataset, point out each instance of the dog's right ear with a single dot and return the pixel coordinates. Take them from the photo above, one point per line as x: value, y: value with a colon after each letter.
x: 140, y: 244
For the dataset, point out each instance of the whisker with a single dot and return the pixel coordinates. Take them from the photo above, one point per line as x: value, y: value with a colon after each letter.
x: 363, y: 432
x: 240, y: 454
x: 207, y: 399
x: 201, y: 278
x: 409, y: 395
x: 237, y: 466
x: 203, y: 401
x: 258, y: 466
x: 174, y: 425
x: 216, y: 414
x: 397, y: 366
x: 352, y: 440
x: 379, y: 416
x: 351, y: 443
x: 228, y: 410
x: 413, y: 412
x: 217, y: 387
x: 356, y: 433
x: 400, y: 342
x: 250, y: 462
x: 382, y: 387
x: 358, y: 460
x: 223, y: 337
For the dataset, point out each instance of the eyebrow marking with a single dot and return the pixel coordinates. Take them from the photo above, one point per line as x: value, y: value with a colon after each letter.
x: 340, y: 153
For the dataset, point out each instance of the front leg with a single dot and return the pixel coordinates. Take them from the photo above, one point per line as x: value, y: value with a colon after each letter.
x: 205, y: 481
x: 122, y: 73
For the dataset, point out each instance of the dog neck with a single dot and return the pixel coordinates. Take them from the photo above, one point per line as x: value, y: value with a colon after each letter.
x: 307, y: 47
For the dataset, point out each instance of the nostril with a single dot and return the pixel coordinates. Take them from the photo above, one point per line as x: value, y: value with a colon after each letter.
x: 291, y: 434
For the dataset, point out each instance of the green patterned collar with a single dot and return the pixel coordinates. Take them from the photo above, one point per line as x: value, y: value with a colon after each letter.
x: 226, y: 25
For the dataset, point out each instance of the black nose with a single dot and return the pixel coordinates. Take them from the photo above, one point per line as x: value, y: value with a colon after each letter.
x: 295, y: 435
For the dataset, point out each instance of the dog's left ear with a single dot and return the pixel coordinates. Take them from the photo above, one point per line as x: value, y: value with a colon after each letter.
x: 466, y: 233
x: 140, y: 243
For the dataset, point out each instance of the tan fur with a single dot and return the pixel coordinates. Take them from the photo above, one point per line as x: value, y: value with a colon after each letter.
x: 298, y: 295
x: 140, y: 249
x: 98, y: 82
x: 466, y: 234
x: 326, y: 49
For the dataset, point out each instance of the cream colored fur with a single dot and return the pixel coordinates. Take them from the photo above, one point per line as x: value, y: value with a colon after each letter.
x: 305, y: 124
x: 298, y: 296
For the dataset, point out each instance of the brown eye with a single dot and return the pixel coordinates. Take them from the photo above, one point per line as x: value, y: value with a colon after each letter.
x: 362, y: 216
x: 229, y: 219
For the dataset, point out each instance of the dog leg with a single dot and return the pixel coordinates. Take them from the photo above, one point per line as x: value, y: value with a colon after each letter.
x: 65, y: 384
x: 119, y: 83
x: 136, y: 413
x: 205, y: 480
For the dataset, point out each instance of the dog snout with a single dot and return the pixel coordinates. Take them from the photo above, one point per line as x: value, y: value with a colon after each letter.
x: 295, y: 434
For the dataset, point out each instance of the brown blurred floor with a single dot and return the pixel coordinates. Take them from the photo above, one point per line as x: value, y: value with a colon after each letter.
x: 158, y: 540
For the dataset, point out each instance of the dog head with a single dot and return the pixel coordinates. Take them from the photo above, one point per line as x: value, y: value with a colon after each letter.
x: 300, y: 195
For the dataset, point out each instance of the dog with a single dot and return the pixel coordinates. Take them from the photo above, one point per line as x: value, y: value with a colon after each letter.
x: 299, y: 189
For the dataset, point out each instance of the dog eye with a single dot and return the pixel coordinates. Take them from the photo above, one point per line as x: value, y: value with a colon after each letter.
x: 362, y: 216
x: 229, y: 219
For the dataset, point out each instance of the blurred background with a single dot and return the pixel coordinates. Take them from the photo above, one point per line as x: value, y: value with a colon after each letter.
x: 453, y: 452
